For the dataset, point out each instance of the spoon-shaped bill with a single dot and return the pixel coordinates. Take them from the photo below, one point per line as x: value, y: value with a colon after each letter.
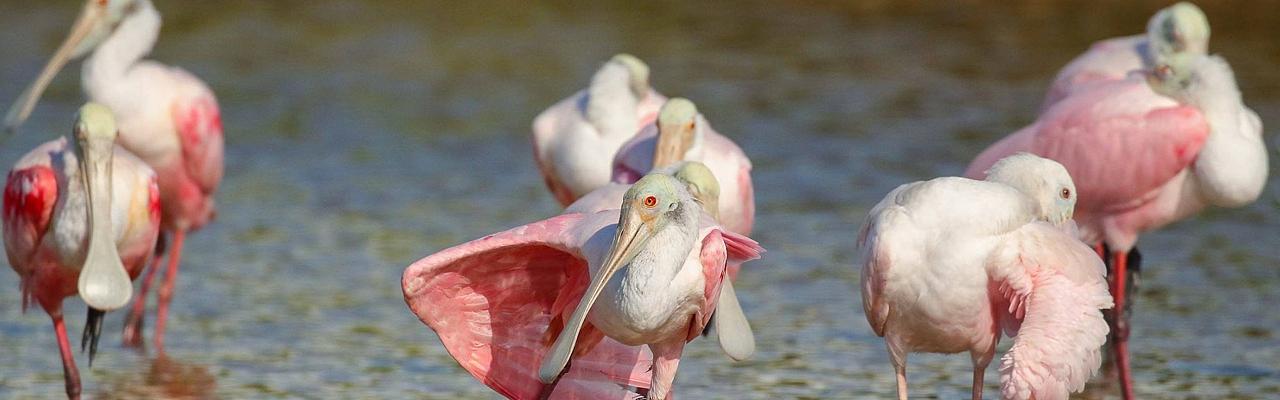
x: 84, y: 25
x: 104, y: 283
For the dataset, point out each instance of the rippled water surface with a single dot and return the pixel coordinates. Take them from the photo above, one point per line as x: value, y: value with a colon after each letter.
x: 363, y: 136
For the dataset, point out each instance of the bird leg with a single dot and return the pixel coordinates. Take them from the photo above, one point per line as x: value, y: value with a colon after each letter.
x: 981, y: 359
x: 166, y: 289
x: 899, y: 360
x: 133, y: 323
x: 1119, y: 321
x: 68, y: 360
x: 92, y: 331
x: 666, y: 358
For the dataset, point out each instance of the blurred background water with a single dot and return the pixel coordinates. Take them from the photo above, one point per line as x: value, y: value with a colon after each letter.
x: 362, y: 136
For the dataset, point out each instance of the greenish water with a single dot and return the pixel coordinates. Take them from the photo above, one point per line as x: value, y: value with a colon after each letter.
x: 363, y: 136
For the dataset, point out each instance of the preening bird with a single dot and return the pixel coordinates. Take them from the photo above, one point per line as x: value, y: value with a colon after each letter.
x: 950, y: 263
x: 574, y: 141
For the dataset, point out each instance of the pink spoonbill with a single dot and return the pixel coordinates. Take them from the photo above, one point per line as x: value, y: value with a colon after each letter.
x: 681, y: 133
x: 574, y: 141
x: 1147, y: 151
x: 1179, y: 28
x: 528, y: 296
x: 950, y: 263
x: 167, y: 117
x: 80, y: 217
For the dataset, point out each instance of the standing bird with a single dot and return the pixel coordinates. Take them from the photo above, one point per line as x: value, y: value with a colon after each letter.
x: 499, y: 303
x: 80, y: 218
x: 1180, y: 28
x: 950, y: 263
x: 574, y: 140
x: 167, y: 117
x: 680, y: 127
x: 1147, y: 151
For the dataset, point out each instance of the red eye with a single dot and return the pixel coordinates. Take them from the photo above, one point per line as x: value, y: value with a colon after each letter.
x: 1066, y: 193
x: 650, y: 201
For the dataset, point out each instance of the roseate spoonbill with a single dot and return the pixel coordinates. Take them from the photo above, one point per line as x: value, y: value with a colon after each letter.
x: 680, y: 126
x: 950, y: 263
x: 80, y: 218
x: 1147, y: 151
x: 574, y: 140
x: 657, y: 264
x: 1175, y: 29
x: 167, y: 117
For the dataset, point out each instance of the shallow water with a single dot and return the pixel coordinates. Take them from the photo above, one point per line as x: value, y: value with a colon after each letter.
x: 361, y: 137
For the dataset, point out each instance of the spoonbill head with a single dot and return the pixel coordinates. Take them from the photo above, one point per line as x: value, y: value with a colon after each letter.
x: 1182, y: 27
x: 98, y: 19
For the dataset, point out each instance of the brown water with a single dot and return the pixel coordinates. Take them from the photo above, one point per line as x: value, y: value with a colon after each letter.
x: 361, y: 137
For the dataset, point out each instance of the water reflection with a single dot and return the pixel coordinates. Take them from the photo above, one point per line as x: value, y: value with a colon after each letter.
x: 163, y: 377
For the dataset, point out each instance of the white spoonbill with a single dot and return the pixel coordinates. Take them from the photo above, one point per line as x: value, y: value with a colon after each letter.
x: 574, y: 140
x: 950, y: 263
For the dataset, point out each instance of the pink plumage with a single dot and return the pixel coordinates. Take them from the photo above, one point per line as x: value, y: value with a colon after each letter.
x: 492, y: 302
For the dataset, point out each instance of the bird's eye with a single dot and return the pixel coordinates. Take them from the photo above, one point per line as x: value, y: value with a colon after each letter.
x: 1066, y: 193
x: 650, y: 201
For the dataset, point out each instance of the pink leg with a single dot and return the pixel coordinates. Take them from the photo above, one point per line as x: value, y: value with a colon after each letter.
x: 1119, y: 324
x: 166, y: 289
x: 899, y: 360
x: 666, y: 358
x: 981, y: 359
x: 133, y: 323
x: 68, y: 360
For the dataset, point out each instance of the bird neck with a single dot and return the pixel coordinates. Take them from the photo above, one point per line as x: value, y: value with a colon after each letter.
x: 1231, y: 168
x: 658, y: 263
x: 611, y: 106
x: 132, y: 40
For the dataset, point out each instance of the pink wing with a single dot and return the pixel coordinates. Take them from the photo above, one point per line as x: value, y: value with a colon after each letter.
x: 1054, y: 288
x: 721, y: 250
x: 199, y: 124
x: 1119, y: 141
x: 29, y: 196
x: 492, y: 300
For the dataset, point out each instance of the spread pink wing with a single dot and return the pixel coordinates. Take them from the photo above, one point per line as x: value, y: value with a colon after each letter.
x: 1119, y: 141
x: 491, y: 302
x: 1054, y: 288
x: 199, y: 126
